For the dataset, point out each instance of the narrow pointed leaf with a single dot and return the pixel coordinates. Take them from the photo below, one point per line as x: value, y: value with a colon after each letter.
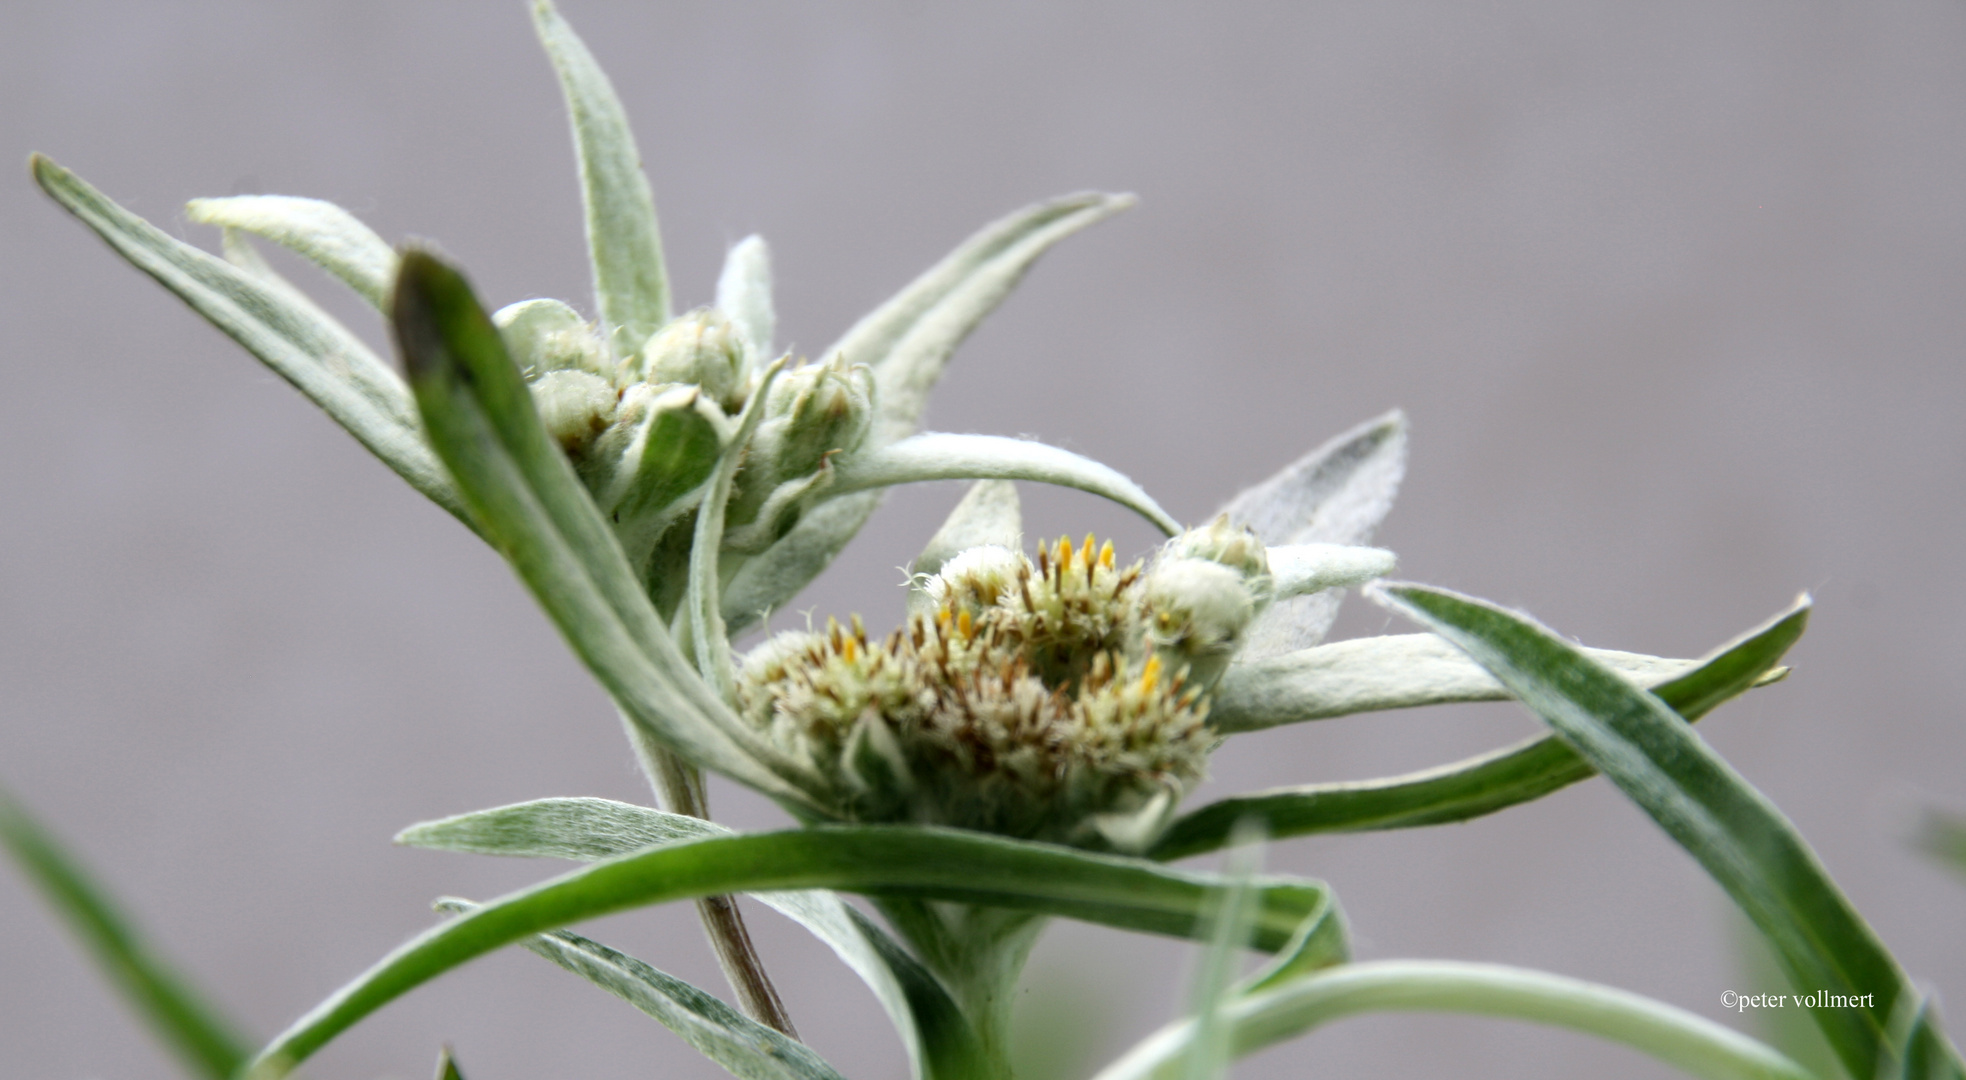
x: 744, y: 294
x: 1391, y: 671
x: 447, y: 1065
x: 631, y: 283
x: 1229, y: 920
x: 321, y: 359
x: 1690, y: 1043
x: 908, y: 342
x: 938, y: 1038
x: 1742, y: 840
x: 482, y: 421
x: 1944, y: 838
x: 941, y: 456
x: 318, y: 231
x: 1301, y: 569
x: 923, y: 863
x: 1336, y: 494
x: 202, y: 1040
x: 989, y: 514
x: 747, y: 1049
x: 704, y: 601
x: 1487, y: 782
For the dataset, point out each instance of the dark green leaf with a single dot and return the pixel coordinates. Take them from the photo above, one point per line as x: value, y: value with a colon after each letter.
x: 1482, y: 784
x: 921, y: 863
x: 202, y: 1040
x: 1742, y: 840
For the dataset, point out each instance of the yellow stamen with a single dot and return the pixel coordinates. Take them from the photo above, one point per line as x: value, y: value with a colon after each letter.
x: 1150, y: 675
x: 1106, y: 555
x: 850, y: 650
x: 965, y: 625
x: 1064, y: 552
x: 1088, y: 547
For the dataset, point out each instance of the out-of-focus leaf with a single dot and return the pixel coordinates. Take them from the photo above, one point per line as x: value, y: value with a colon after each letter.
x: 1693, y: 1044
x: 1336, y: 494
x: 203, y: 1041
x: 631, y: 284
x: 1742, y: 840
x: 318, y: 231
x: 1301, y: 569
x: 447, y: 1065
x: 319, y: 357
x: 1944, y: 838
x: 941, y: 456
x: 1485, y: 783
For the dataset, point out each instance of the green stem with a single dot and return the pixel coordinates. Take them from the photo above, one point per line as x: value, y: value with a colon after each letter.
x: 1691, y: 1043
x: 979, y: 953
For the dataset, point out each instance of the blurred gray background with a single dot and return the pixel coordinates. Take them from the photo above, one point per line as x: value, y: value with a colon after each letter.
x: 1671, y: 292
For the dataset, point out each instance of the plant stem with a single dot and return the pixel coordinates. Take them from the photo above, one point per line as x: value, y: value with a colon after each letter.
x: 679, y: 789
x: 978, y: 952
x: 1691, y: 1043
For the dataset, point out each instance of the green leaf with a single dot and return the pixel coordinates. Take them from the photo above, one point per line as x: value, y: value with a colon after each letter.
x: 1229, y: 921
x: 1742, y: 840
x: 447, y: 1065
x: 909, y: 339
x: 1336, y: 494
x: 1943, y: 837
x: 941, y: 456
x: 907, y: 342
x: 1488, y: 782
x: 481, y: 419
x: 318, y: 231
x: 202, y: 1040
x: 937, y: 1036
x: 703, y: 601
x: 319, y: 357
x: 630, y: 282
x: 1687, y: 1042
x: 988, y: 514
x: 920, y: 863
x: 747, y: 1049
x: 744, y: 294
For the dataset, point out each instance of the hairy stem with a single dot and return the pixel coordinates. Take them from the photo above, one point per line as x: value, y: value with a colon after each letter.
x: 979, y: 953
x: 679, y: 789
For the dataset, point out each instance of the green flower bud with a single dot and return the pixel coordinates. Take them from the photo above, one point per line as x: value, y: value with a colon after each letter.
x: 814, y: 411
x: 547, y: 335
x: 702, y: 349
x: 675, y: 437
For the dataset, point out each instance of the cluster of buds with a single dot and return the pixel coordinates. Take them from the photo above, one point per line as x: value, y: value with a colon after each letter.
x: 644, y: 431
x: 1061, y: 698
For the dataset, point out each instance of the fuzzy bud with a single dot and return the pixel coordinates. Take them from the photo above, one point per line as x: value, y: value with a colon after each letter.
x: 547, y: 335
x: 575, y: 406
x: 699, y: 349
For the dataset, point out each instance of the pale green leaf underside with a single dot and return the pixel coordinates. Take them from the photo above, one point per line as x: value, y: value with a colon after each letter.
x: 322, y: 360
x: 204, y: 1041
x: 1336, y: 494
x: 318, y: 231
x: 1691, y: 1043
x: 941, y: 456
x: 747, y: 1049
x: 1742, y: 840
x: 587, y: 829
x: 631, y: 283
x: 1482, y: 784
x: 1301, y: 569
x: 1391, y: 671
x: 480, y: 417
x: 921, y: 863
x: 744, y: 294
